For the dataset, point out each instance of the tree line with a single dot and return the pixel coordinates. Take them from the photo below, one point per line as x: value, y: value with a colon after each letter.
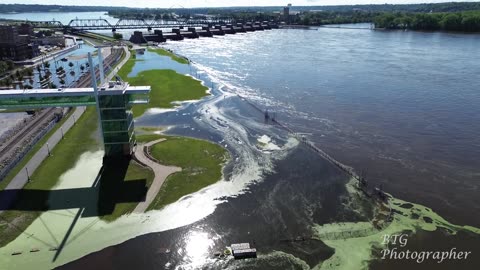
x: 427, y: 7
x: 468, y: 21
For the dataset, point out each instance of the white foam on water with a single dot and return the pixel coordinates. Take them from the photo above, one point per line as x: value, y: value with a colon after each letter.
x: 266, y: 143
x: 151, y: 111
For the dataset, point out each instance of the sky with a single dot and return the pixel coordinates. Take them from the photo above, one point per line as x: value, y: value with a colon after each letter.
x: 214, y: 3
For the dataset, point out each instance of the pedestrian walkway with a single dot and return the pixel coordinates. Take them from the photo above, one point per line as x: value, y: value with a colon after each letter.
x: 161, y: 173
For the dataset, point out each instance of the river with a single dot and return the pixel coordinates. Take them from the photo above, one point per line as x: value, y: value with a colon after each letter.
x: 402, y: 106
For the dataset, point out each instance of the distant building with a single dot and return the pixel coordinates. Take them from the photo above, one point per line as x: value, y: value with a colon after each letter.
x: 53, y: 40
x: 16, y: 43
x: 288, y: 13
x: 25, y: 29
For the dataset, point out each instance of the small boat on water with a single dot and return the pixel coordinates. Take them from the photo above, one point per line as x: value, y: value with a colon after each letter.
x: 243, y: 251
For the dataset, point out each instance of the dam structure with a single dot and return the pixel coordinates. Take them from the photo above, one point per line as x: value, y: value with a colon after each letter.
x: 113, y: 100
x: 210, y: 30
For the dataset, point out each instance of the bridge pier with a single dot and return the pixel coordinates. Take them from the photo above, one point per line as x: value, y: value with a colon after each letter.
x: 205, y: 32
x: 249, y: 27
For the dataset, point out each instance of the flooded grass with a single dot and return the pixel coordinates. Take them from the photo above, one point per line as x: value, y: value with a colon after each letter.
x: 173, y: 56
x: 77, y: 140
x: 111, y: 178
x: 356, y: 252
x: 167, y: 86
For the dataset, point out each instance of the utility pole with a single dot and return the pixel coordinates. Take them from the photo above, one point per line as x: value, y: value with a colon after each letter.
x: 28, y: 175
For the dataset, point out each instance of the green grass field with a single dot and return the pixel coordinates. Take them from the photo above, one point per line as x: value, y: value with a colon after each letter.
x: 98, y: 36
x: 174, y: 57
x: 167, y: 86
x: 201, y: 162
x: 144, y: 138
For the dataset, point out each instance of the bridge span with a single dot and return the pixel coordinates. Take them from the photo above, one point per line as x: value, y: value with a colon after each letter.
x: 123, y: 23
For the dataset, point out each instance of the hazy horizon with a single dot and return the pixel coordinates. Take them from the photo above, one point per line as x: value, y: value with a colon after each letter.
x: 221, y: 3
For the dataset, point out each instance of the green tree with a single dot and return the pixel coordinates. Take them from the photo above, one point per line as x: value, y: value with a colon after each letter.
x: 117, y: 36
x: 8, y: 81
x: 3, y: 67
x: 471, y: 22
x: 451, y: 22
x: 10, y: 64
x: 28, y: 71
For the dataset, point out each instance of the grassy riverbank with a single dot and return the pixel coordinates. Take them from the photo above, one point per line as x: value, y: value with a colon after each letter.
x: 167, y: 86
x: 96, y: 36
x: 80, y: 139
x: 64, y: 155
x: 201, y: 162
x: 173, y: 56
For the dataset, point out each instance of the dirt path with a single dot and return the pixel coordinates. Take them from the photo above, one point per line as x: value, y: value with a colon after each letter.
x: 161, y: 173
